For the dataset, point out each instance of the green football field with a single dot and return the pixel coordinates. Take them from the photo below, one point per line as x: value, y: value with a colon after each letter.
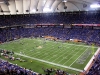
x: 41, y: 53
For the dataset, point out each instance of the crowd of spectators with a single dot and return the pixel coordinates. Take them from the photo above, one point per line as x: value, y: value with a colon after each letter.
x: 7, y: 68
x: 87, y: 35
x: 95, y: 70
x: 90, y: 17
x: 55, y: 71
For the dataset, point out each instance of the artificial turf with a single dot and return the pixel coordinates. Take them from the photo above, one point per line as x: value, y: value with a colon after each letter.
x: 61, y: 53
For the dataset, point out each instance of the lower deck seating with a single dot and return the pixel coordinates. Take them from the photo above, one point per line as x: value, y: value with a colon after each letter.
x: 84, y: 34
x: 7, y: 68
x: 95, y: 70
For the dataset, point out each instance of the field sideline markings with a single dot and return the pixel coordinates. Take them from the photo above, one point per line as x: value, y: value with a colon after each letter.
x: 44, y: 51
x: 61, y: 55
x: 80, y: 45
x: 37, y: 54
x: 74, y: 55
x: 60, y: 52
x: 68, y: 54
x: 52, y: 53
x: 50, y: 63
x: 48, y: 40
x: 14, y: 64
x: 58, y: 55
x: 78, y: 57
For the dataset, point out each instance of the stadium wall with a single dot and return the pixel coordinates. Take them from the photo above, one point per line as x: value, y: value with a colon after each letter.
x: 91, y: 62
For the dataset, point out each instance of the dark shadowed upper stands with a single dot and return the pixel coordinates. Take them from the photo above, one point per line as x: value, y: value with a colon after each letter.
x: 86, y: 17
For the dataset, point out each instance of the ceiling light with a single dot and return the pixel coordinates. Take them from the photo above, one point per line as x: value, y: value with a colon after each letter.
x: 95, y: 6
x: 47, y: 10
x: 34, y: 10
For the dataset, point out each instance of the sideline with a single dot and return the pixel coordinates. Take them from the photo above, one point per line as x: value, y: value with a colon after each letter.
x: 50, y: 63
x: 78, y: 57
x: 49, y: 40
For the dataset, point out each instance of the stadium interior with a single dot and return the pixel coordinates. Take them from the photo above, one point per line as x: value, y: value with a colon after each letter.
x: 50, y: 28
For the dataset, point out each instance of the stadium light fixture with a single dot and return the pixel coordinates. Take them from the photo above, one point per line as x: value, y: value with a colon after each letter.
x: 47, y: 10
x: 34, y: 10
x: 95, y: 6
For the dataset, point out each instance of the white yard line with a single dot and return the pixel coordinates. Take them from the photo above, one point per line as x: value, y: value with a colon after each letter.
x: 49, y: 40
x: 73, y: 55
x: 59, y: 52
x: 78, y: 57
x: 50, y: 62
x: 42, y: 52
x: 60, y: 56
x: 37, y: 54
x: 14, y: 64
x: 52, y: 51
x: 68, y: 54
